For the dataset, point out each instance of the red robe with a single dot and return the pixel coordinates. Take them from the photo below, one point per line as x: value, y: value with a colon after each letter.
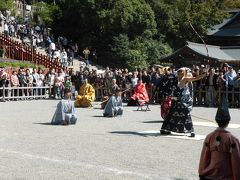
x: 220, y: 157
x: 140, y: 94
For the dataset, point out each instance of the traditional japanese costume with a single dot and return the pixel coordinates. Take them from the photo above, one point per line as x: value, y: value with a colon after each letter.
x: 86, y: 96
x: 65, y: 113
x: 220, y: 157
x: 140, y: 95
x: 113, y: 107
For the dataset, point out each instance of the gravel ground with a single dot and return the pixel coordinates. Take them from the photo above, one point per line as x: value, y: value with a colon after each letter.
x: 97, y: 147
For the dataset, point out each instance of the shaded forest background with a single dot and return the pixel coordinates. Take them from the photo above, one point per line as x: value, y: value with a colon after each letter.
x: 131, y: 33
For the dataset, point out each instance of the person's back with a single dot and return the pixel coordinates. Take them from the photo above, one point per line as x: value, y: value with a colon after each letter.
x: 220, y: 157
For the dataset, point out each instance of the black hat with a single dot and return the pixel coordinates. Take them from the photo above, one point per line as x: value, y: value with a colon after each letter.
x: 223, y: 112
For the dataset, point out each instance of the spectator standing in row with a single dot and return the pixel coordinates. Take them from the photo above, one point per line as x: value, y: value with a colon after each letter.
x: 211, y: 87
x: 2, y: 80
x: 50, y: 79
x: 59, y: 86
x: 229, y: 76
x: 41, y: 82
x: 237, y: 88
x: 28, y: 82
x: 36, y: 78
x: 21, y: 78
x: 14, y: 83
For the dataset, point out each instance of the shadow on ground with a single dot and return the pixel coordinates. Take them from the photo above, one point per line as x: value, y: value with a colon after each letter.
x: 152, y: 121
x: 46, y: 123
x: 97, y: 116
x: 144, y: 134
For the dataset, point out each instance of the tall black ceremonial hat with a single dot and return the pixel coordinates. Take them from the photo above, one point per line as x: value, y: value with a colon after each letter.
x: 222, y: 111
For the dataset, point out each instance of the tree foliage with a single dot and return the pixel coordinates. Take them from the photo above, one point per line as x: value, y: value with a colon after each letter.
x: 6, y: 5
x: 174, y: 18
x: 45, y: 13
x: 135, y: 33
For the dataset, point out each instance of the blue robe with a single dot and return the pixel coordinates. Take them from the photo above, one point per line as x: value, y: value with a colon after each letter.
x: 65, y: 112
x: 114, y: 107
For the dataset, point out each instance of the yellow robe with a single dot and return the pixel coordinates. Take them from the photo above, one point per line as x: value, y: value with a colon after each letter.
x: 86, y: 96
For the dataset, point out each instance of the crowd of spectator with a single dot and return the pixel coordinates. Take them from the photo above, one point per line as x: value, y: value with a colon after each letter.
x: 63, y: 50
x: 207, y: 91
x: 219, y: 81
x: 34, y: 78
x: 60, y: 48
x: 40, y: 37
x: 29, y: 35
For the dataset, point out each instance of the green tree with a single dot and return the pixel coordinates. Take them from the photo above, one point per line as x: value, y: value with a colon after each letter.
x: 150, y: 50
x: 6, y: 5
x: 45, y: 13
x: 136, y: 59
x: 135, y: 33
x: 174, y: 18
x: 122, y: 31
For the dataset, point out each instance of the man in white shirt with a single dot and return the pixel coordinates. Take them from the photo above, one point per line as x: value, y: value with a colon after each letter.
x: 64, y: 58
x: 12, y: 30
x: 36, y: 79
x: 6, y: 29
x: 52, y: 48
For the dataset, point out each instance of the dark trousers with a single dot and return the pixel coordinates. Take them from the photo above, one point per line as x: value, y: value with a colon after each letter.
x: 1, y: 85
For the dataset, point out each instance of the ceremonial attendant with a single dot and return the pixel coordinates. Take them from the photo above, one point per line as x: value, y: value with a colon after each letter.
x: 140, y: 95
x: 220, y: 157
x: 86, y: 95
x: 179, y: 119
x: 114, y: 105
x: 165, y: 90
x: 65, y: 113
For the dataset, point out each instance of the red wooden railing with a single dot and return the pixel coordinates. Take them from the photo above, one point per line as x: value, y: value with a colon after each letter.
x: 18, y: 51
